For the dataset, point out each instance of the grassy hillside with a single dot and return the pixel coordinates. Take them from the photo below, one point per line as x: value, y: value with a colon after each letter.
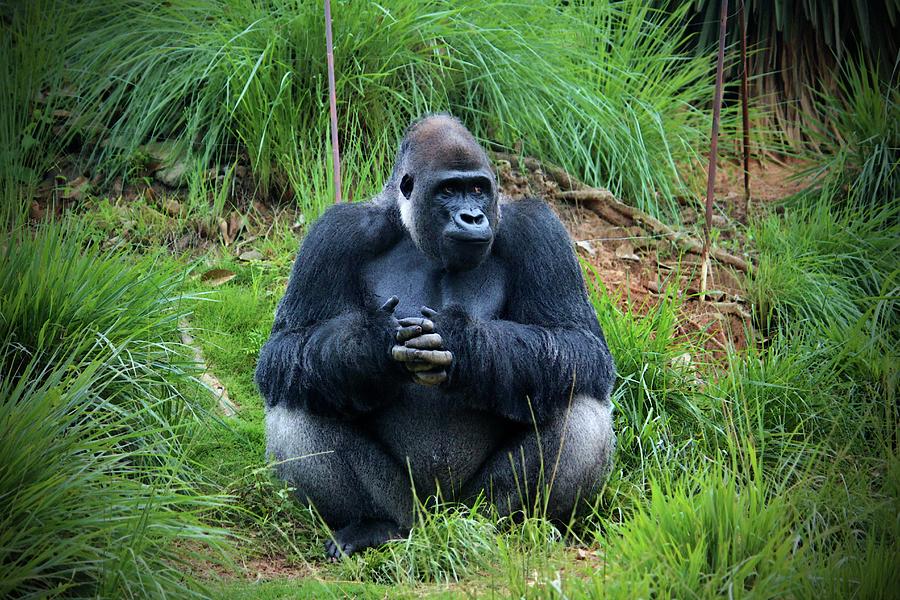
x: 764, y: 468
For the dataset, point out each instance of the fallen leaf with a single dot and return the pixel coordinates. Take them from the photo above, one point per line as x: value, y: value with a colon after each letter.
x: 76, y: 188
x: 251, y: 255
x: 217, y: 276
x: 223, y: 231
x: 682, y: 361
x: 236, y: 223
x: 587, y: 247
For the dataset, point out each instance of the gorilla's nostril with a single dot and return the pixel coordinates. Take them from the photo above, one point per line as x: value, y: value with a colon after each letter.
x: 472, y: 218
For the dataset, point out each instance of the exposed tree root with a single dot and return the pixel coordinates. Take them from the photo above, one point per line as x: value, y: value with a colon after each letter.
x: 604, y: 203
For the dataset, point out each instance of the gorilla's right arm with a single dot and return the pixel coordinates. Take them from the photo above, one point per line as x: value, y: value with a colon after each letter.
x: 329, y: 347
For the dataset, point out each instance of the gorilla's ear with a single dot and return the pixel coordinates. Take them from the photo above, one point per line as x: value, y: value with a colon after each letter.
x: 406, y: 186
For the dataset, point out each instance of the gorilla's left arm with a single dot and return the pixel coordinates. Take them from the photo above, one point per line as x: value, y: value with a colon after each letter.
x: 549, y: 346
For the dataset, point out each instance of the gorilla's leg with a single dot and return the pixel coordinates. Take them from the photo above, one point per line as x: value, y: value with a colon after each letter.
x: 571, y: 455
x: 361, y: 492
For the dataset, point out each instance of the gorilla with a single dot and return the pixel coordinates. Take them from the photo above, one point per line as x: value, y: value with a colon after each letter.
x: 435, y: 340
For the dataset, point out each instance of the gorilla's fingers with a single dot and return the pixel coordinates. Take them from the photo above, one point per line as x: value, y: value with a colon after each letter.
x: 440, y: 358
x: 407, y: 333
x: 426, y: 324
x: 429, y: 341
x: 390, y: 305
x: 418, y: 366
x: 404, y: 354
x: 429, y: 312
x: 431, y: 377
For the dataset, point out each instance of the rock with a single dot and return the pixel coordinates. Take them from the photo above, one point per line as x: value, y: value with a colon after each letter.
x: 719, y: 222
x: 184, y: 242
x: 172, y: 207
x: 173, y: 176
x: 625, y: 251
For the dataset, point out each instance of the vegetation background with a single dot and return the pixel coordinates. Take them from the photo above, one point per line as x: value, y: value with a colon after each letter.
x: 160, y: 160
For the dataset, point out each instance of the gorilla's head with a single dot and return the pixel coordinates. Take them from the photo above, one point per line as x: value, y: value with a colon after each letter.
x: 446, y: 192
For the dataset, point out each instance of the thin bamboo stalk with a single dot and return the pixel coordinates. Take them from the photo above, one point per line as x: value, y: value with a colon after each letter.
x: 713, y: 151
x: 332, y: 100
x: 745, y: 112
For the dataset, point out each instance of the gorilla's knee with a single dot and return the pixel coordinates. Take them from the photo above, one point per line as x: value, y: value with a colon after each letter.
x: 588, y: 442
x: 337, y: 468
x: 576, y: 455
x: 555, y: 469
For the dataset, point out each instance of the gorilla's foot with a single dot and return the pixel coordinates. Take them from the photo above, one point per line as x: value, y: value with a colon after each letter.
x: 359, y: 536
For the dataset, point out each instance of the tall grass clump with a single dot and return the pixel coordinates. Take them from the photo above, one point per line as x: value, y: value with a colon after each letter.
x: 448, y: 542
x: 97, y: 496
x: 32, y: 38
x: 451, y: 542
x: 61, y: 298
x: 616, y: 103
x: 660, y: 410
x: 706, y: 536
x: 832, y: 272
x: 858, y: 137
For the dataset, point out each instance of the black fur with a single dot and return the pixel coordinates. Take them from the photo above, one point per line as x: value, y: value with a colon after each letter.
x: 512, y: 309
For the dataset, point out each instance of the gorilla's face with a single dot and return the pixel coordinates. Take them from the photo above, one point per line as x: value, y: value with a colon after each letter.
x: 455, y: 217
x: 448, y: 194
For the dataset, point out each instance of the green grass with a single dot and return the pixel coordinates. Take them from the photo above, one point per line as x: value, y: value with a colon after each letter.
x: 734, y: 481
x: 771, y: 472
x: 832, y: 271
x: 618, y: 104
x: 856, y: 150
x: 97, y: 407
x: 30, y: 50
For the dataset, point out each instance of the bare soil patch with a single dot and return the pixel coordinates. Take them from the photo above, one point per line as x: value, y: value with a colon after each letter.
x: 640, y: 266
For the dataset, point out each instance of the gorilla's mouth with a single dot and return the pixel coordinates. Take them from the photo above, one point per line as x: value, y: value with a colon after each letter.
x: 470, y: 238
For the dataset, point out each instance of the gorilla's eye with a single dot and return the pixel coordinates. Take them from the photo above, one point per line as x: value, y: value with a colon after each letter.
x: 476, y: 189
x: 406, y: 186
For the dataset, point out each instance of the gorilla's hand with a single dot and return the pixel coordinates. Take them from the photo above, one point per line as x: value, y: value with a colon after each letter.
x: 422, y: 351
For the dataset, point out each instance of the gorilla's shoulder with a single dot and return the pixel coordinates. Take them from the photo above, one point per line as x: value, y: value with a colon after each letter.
x: 356, y: 228
x: 530, y: 229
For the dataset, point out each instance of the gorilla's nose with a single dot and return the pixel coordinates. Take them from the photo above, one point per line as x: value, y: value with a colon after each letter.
x: 471, y: 220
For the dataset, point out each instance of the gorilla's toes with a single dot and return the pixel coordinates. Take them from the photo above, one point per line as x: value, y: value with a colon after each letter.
x: 335, y: 551
x: 359, y: 536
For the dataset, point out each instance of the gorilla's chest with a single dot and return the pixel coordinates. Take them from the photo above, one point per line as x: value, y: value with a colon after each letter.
x: 405, y: 272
